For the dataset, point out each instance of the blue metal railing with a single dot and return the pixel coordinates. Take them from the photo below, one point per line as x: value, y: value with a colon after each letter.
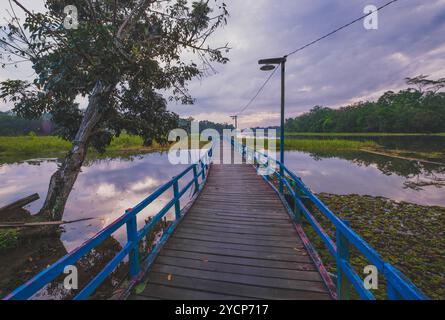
x: 134, y: 236
x: 397, y: 285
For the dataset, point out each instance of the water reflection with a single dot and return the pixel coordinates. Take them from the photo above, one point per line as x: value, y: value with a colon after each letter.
x: 367, y: 174
x: 104, y: 190
x: 106, y: 187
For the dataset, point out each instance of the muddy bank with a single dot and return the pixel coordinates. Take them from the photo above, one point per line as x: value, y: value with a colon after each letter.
x: 32, y: 251
x: 32, y: 255
x: 410, y: 236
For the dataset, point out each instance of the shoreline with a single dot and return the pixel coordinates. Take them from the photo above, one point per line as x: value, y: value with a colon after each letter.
x: 408, y: 235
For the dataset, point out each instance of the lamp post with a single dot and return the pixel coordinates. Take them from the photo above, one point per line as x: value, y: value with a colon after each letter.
x: 267, y: 65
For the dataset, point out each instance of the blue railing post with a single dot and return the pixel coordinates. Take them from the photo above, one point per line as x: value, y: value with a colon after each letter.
x: 392, y: 293
x: 203, y: 171
x: 132, y: 236
x: 297, y: 210
x: 176, y: 196
x: 195, y: 176
x: 343, y: 285
x: 281, y: 178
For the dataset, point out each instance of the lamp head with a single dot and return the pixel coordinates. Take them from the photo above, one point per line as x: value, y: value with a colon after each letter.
x: 267, y: 67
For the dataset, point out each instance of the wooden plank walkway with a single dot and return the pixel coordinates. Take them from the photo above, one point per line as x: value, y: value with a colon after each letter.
x: 236, y: 242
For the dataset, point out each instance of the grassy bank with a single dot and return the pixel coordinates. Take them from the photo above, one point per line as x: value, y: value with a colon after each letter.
x: 8, y: 239
x: 360, y: 134
x: 21, y: 148
x: 313, y: 145
x: 28, y: 147
x: 336, y: 145
x: 409, y: 236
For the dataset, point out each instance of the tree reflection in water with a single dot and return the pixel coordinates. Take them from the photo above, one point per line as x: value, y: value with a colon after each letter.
x: 418, y: 174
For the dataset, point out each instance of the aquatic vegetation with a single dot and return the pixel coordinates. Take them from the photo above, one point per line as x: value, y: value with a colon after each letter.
x: 327, y: 145
x: 315, y: 145
x: 409, y: 236
x: 360, y: 134
x: 8, y: 238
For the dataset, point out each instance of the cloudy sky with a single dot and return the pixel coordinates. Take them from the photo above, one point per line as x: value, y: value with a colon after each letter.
x: 352, y: 65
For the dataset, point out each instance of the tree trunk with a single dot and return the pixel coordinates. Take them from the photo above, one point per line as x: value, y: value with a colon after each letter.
x: 63, y: 179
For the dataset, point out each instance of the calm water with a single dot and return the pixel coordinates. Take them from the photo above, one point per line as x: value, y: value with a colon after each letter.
x: 364, y: 174
x: 105, y: 188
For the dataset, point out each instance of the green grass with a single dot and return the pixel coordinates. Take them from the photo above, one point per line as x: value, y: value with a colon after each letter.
x: 21, y: 148
x: 327, y: 145
x: 313, y: 145
x: 359, y: 134
x: 32, y: 145
x: 26, y: 147
x: 8, y: 238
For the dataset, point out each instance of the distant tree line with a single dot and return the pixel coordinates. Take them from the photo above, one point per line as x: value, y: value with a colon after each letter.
x: 13, y: 125
x: 203, y: 125
x: 420, y: 109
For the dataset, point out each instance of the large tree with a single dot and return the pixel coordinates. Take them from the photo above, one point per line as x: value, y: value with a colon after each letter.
x: 119, y: 55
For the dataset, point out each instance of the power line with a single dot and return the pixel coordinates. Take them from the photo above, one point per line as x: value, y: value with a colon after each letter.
x: 310, y: 44
x: 258, y: 92
x: 340, y: 28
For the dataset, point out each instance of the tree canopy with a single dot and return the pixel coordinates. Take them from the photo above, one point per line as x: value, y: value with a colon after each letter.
x: 136, y: 61
x: 413, y: 110
x: 121, y: 56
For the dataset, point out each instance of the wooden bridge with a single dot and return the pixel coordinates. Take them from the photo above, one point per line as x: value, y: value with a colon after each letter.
x: 236, y: 242
x: 238, y: 239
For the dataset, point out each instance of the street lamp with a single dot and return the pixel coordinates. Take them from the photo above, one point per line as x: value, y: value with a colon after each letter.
x: 267, y: 65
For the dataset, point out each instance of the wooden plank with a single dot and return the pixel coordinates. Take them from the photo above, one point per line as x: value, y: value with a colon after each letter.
x: 156, y: 291
x: 228, y: 288
x: 239, y: 246
x: 242, y: 269
x: 263, y: 281
x: 237, y: 241
x: 240, y: 221
x: 222, y: 238
x: 250, y: 226
x: 250, y: 213
x: 238, y: 215
x: 20, y: 203
x: 262, y: 255
x: 39, y: 224
x: 275, y: 238
x: 239, y: 230
x: 243, y: 261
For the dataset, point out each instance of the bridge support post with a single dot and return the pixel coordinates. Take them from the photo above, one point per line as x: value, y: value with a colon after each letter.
x: 297, y: 210
x: 132, y: 236
x: 343, y: 285
x: 176, y: 196
x: 392, y: 293
x: 203, y: 171
x: 195, y: 175
x: 281, y: 188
